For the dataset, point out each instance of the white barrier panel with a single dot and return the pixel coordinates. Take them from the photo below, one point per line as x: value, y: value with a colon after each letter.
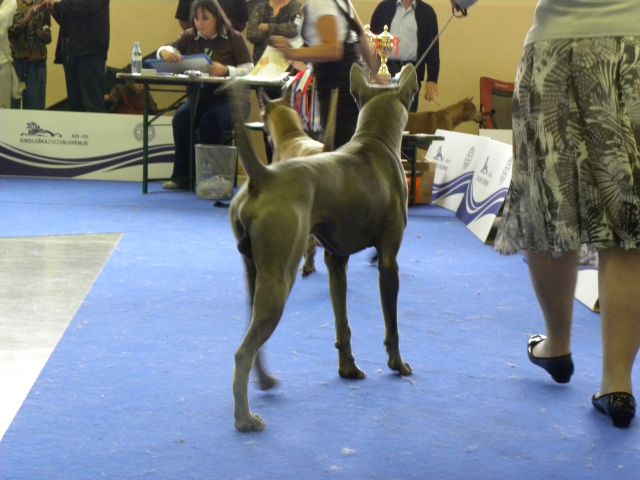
x: 486, y: 192
x: 456, y: 158
x: 98, y: 146
x: 587, y: 288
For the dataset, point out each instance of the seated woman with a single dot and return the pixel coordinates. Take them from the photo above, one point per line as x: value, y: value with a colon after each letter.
x: 212, y: 34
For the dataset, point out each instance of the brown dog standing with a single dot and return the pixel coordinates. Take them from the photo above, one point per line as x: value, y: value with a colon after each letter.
x: 446, y: 119
x: 350, y: 199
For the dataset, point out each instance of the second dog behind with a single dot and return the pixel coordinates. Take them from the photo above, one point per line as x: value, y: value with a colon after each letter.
x: 289, y: 140
x: 446, y: 119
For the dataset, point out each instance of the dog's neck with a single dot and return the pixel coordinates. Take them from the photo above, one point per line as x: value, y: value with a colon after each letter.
x: 371, y: 124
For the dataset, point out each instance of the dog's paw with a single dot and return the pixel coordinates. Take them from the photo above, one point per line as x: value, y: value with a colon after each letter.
x: 402, y: 368
x: 267, y: 382
x: 253, y: 423
x: 306, y: 270
x: 352, y: 372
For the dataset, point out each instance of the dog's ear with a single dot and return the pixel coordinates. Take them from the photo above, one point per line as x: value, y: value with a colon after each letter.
x: 408, y: 85
x: 286, y: 95
x: 359, y: 85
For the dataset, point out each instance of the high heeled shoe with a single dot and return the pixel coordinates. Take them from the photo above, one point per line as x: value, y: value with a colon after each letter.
x: 620, y: 406
x: 560, y: 368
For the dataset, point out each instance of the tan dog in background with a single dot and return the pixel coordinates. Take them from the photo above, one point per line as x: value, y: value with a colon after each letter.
x: 350, y: 199
x: 289, y: 140
x: 446, y: 119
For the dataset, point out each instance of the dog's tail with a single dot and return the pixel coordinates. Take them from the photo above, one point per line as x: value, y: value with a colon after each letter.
x: 255, y: 169
x: 330, y: 131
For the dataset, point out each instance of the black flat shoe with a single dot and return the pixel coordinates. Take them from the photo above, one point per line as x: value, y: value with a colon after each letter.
x: 560, y: 368
x: 620, y: 406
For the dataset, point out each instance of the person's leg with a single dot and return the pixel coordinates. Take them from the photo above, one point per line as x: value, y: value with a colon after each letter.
x: 346, y: 115
x: 72, y: 77
x: 181, y: 126
x: 21, y: 70
x: 91, y: 70
x: 619, y: 286
x: 554, y: 282
x: 34, y: 97
x: 216, y: 123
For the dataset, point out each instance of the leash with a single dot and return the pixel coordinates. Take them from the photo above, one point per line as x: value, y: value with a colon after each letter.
x: 458, y: 11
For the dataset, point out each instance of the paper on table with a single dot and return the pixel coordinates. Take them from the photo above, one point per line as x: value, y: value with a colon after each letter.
x: 199, y: 62
x: 271, y: 66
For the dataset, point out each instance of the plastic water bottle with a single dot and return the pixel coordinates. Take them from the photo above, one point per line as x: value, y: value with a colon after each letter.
x: 136, y: 59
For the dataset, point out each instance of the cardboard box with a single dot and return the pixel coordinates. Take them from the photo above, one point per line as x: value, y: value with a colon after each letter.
x: 425, y: 173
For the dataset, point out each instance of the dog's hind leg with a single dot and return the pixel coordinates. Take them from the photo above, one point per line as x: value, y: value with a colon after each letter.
x: 309, y: 265
x: 337, y: 267
x: 265, y: 379
x: 389, y: 287
x: 269, y: 300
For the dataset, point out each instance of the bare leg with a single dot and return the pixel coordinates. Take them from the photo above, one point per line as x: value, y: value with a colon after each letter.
x: 619, y: 290
x: 554, y: 281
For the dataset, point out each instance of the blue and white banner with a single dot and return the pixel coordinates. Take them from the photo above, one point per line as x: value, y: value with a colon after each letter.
x: 98, y: 146
x: 472, y: 178
x: 456, y: 157
x: 487, y: 190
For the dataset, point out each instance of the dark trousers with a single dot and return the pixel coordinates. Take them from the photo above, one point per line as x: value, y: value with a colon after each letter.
x: 213, y: 124
x: 394, y: 67
x: 86, y: 83
x: 347, y: 115
x: 34, y: 76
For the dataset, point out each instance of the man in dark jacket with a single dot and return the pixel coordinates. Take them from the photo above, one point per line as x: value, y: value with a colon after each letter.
x: 82, y: 48
x: 416, y: 23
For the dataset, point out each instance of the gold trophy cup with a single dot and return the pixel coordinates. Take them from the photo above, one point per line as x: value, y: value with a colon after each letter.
x: 384, y: 45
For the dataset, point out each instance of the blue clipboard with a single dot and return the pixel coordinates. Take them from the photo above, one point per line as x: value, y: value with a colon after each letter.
x: 199, y: 61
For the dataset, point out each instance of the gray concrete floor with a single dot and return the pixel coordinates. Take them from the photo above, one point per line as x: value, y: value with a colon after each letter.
x: 43, y: 282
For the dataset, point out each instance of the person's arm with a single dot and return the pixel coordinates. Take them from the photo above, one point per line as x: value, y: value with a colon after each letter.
x: 242, y: 58
x: 329, y: 49
x: 7, y: 11
x: 432, y: 62
x: 288, y: 28
x: 367, y: 51
x: 254, y: 33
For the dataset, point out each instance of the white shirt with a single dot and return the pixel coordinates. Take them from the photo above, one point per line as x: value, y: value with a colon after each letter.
x: 319, y: 8
x: 564, y: 19
x: 404, y: 26
x: 7, y: 9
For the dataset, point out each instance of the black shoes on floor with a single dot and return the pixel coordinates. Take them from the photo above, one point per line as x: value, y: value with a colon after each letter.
x: 560, y: 368
x: 619, y: 406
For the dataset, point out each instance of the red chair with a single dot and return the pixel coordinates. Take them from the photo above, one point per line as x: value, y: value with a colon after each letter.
x: 495, y: 103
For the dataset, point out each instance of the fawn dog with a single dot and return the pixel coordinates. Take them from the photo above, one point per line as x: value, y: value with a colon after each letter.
x: 446, y: 119
x: 289, y: 140
x: 350, y: 199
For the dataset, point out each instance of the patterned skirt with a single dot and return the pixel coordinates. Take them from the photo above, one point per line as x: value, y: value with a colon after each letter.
x: 576, y: 138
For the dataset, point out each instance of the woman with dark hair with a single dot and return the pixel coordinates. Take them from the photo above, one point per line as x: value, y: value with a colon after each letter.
x: 212, y: 34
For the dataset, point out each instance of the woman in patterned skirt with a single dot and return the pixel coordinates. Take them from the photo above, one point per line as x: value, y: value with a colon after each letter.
x: 576, y: 181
